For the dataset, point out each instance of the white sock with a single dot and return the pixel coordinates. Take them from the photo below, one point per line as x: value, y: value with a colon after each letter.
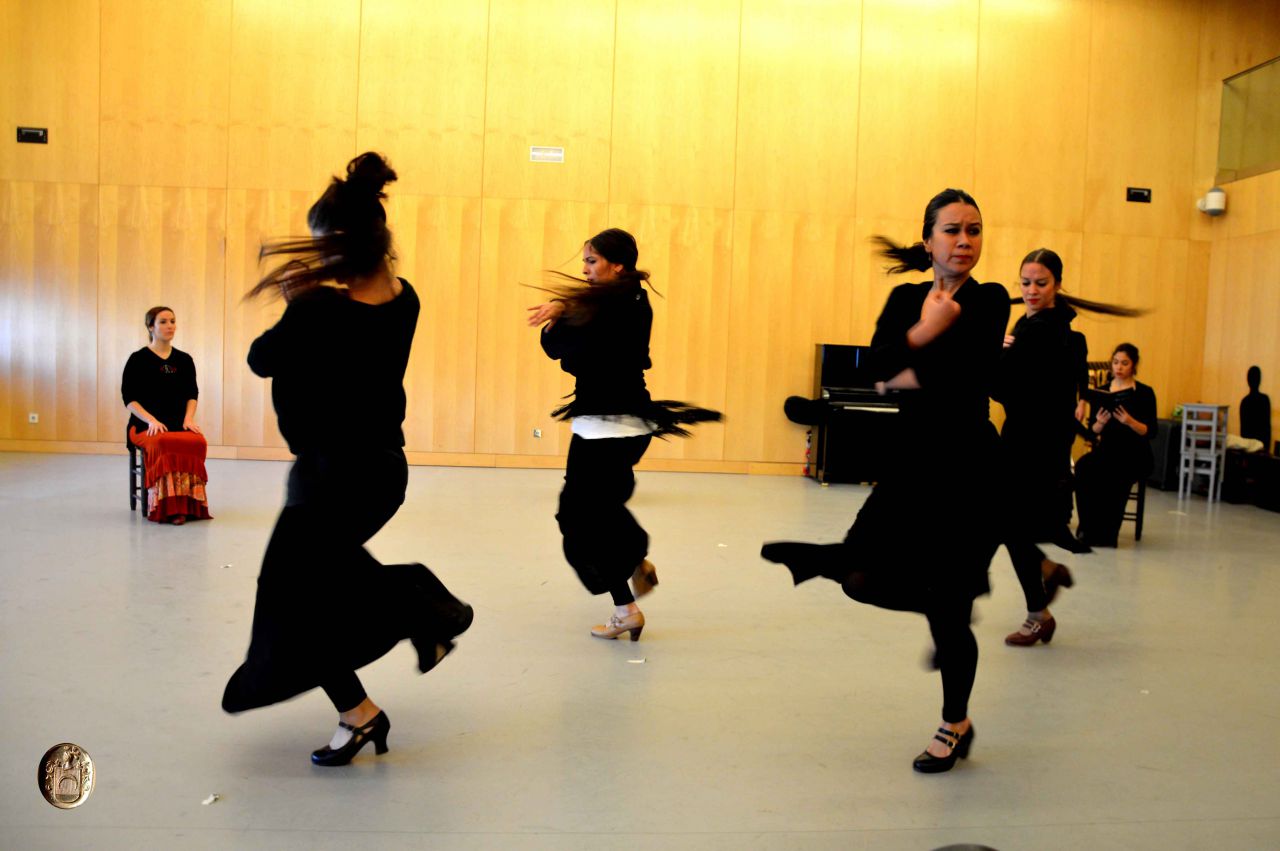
x: 340, y: 737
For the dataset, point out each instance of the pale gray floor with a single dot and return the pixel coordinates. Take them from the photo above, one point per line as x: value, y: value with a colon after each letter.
x: 762, y: 717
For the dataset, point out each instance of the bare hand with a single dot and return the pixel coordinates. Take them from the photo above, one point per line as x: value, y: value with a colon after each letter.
x: 939, y: 310
x: 1080, y: 410
x: 1123, y: 416
x: 1104, y: 417
x: 190, y: 425
x: 1008, y: 340
x: 547, y: 312
x: 155, y: 427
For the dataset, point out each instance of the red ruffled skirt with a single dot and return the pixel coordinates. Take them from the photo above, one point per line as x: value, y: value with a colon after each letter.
x: 175, y: 475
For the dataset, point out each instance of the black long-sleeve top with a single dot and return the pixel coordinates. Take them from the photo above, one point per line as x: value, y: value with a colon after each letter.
x: 1121, y: 444
x: 607, y: 354
x: 956, y: 369
x: 1038, y: 380
x: 162, y: 386
x: 338, y: 369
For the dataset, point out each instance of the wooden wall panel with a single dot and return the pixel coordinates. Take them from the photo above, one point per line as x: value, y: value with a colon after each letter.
x: 1031, y: 111
x: 1241, y: 320
x: 438, y: 243
x: 1139, y: 100
x: 422, y: 92
x: 166, y: 70
x: 798, y: 106
x: 1233, y: 38
x: 1158, y: 274
x: 517, y: 385
x: 48, y: 323
x: 293, y: 93
x: 253, y: 216
x: 49, y: 78
x: 160, y: 246
x: 916, y: 105
x: 550, y: 83
x: 689, y: 254
x: 792, y: 289
x: 673, y: 142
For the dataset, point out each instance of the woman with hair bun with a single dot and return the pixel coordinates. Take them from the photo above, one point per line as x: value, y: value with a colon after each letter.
x: 337, y: 357
x: 598, y: 328
x: 161, y: 394
x: 1123, y: 424
x: 924, y: 539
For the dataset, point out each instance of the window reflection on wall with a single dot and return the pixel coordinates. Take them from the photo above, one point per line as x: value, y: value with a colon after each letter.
x: 1249, y: 140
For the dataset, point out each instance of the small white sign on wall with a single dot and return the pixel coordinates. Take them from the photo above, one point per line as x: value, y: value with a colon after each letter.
x: 540, y: 154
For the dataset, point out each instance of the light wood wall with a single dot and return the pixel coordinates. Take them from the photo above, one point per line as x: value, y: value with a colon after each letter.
x: 752, y: 146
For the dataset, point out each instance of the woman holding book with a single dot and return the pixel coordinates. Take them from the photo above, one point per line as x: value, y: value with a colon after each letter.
x: 1123, y: 425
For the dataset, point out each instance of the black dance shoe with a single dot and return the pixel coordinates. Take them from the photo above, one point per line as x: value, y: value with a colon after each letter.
x: 433, y: 648
x: 1076, y: 545
x: 927, y: 763
x: 446, y: 617
x: 375, y: 731
x: 803, y: 560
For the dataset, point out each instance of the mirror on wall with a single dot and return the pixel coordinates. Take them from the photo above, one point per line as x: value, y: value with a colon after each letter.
x: 1249, y: 134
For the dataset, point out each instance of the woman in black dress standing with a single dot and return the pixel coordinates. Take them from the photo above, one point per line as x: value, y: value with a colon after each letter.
x: 1041, y: 383
x: 600, y: 334
x: 1121, y: 454
x: 924, y: 539
x: 337, y: 357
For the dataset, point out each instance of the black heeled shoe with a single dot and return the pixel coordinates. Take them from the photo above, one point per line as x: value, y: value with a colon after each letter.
x: 803, y: 560
x: 927, y: 763
x: 375, y: 731
x: 433, y: 649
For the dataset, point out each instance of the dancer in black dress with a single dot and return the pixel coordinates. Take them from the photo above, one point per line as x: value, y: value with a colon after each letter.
x: 337, y: 357
x: 924, y: 539
x: 1041, y: 383
x: 600, y: 334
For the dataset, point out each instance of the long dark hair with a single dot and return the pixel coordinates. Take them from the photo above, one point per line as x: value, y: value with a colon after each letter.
x: 349, y: 238
x: 915, y: 258
x: 1049, y: 259
x: 583, y: 298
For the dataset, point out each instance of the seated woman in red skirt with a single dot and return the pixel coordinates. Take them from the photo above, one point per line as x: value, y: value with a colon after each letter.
x: 159, y: 389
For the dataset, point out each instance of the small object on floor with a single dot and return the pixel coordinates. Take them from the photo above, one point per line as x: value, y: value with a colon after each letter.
x: 618, y: 625
x: 209, y: 800
x: 927, y: 763
x: 1032, y: 631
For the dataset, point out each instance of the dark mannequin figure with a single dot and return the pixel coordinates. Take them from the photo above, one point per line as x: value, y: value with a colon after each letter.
x: 1255, y: 411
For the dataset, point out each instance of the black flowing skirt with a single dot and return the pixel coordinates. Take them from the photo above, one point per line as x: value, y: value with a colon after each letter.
x: 324, y: 605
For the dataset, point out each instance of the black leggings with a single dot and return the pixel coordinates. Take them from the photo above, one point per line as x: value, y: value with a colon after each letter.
x: 957, y: 656
x: 602, y: 540
x: 955, y: 648
x: 345, y: 691
x: 1027, y: 561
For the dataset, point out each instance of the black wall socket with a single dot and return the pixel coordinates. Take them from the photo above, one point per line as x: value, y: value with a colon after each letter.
x: 1137, y: 194
x: 34, y: 135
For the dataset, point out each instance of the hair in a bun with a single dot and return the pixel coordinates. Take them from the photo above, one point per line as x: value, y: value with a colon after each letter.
x: 349, y: 235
